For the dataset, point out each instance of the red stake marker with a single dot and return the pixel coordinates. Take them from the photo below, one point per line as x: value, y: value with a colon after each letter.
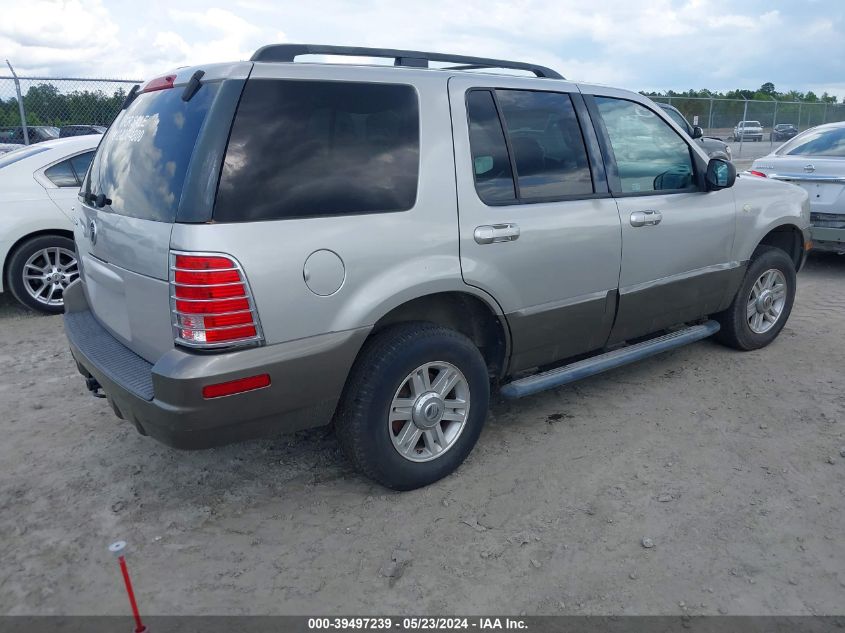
x: 117, y: 548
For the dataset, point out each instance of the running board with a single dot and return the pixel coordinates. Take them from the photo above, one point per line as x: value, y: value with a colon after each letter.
x: 609, y: 360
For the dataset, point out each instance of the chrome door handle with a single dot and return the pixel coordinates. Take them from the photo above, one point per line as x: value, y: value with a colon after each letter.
x: 646, y: 218
x: 490, y: 233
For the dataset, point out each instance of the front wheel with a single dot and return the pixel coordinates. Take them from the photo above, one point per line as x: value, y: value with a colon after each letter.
x: 763, y: 302
x: 414, y: 405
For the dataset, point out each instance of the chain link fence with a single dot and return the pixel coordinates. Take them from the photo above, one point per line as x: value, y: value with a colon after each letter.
x: 719, y: 117
x: 58, y: 103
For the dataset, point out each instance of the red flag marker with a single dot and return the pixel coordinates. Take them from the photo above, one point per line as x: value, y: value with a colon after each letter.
x: 117, y: 548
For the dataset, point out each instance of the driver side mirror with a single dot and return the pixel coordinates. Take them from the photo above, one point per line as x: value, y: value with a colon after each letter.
x: 697, y: 132
x: 720, y: 174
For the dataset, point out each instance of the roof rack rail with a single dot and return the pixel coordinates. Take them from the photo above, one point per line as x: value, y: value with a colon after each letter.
x: 411, y: 59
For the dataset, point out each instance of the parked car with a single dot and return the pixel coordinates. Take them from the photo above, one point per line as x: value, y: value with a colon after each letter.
x: 748, y: 131
x: 783, y: 132
x: 12, y: 137
x: 714, y: 147
x: 294, y: 253
x: 38, y: 193
x: 814, y: 161
x: 80, y: 130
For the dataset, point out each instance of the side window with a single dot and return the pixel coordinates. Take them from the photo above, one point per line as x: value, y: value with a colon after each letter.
x: 62, y: 174
x: 490, y: 161
x: 309, y: 148
x: 80, y: 164
x: 70, y: 172
x: 549, y: 153
x: 650, y: 156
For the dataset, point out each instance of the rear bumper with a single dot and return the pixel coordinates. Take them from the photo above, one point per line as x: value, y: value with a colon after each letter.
x: 828, y: 239
x: 165, y: 400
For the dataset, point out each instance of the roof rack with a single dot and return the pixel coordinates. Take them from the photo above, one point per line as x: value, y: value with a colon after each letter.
x: 411, y: 59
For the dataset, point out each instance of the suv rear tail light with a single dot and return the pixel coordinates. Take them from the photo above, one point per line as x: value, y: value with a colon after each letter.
x: 759, y: 174
x: 211, y: 302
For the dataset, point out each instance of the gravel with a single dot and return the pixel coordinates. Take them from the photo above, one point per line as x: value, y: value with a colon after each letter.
x: 286, y: 526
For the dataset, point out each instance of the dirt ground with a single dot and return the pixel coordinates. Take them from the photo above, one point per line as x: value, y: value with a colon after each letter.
x: 729, y: 462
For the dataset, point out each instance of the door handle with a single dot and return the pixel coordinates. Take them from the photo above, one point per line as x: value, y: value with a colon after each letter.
x: 646, y: 218
x: 490, y: 233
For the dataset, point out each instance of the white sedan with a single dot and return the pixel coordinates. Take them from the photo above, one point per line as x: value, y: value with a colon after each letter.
x: 815, y: 160
x: 38, y: 188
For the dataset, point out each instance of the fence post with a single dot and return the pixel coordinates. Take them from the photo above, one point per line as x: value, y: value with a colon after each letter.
x: 824, y: 116
x: 710, y: 117
x: 20, y: 104
x: 799, y: 116
x: 742, y: 131
x: 774, y: 123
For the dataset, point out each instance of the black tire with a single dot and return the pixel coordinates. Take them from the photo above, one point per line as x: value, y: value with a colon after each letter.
x: 736, y: 332
x: 381, y: 368
x: 15, y: 270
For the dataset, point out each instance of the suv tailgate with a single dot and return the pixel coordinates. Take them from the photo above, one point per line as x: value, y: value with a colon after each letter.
x: 132, y: 196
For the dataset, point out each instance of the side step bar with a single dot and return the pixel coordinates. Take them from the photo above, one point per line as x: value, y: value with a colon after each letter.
x: 609, y: 360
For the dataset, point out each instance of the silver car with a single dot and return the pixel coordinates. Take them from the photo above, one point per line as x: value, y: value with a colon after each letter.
x: 269, y: 245
x: 815, y: 160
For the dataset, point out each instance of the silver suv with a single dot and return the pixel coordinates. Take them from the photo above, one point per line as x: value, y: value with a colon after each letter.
x: 272, y: 245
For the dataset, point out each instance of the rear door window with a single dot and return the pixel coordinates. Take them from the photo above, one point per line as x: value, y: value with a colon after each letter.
x: 544, y: 146
x: 315, y: 148
x: 143, y: 158
x: 490, y: 159
x: 548, y: 149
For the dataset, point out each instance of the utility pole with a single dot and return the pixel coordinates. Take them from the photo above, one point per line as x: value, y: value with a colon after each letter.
x: 20, y: 104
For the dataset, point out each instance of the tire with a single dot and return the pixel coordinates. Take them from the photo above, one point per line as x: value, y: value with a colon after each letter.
x: 30, y: 257
x: 368, y: 433
x: 737, y: 330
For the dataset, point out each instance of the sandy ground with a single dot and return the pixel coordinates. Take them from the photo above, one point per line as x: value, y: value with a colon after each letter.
x: 729, y: 462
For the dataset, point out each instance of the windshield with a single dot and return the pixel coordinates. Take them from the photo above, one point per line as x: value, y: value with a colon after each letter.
x: 817, y: 142
x: 143, y: 159
x: 677, y: 118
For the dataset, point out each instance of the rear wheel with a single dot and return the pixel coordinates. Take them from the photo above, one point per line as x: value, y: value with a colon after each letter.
x: 414, y: 405
x: 40, y: 270
x: 763, y: 302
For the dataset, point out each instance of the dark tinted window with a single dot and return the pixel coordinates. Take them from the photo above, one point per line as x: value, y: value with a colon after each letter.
x: 80, y: 164
x: 650, y: 155
x: 549, y: 153
x: 62, y: 174
x: 143, y: 158
x: 677, y: 118
x: 491, y: 164
x: 305, y: 148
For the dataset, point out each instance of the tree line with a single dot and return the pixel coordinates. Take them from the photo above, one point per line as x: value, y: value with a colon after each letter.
x: 766, y: 92
x: 45, y: 104
x: 767, y: 105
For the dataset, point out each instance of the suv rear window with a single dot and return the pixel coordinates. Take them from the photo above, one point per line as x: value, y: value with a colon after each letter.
x: 310, y: 148
x: 143, y: 158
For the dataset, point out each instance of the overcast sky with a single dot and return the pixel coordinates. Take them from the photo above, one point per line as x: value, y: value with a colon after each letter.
x: 636, y: 44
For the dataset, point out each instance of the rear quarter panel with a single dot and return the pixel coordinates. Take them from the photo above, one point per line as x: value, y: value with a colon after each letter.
x: 389, y: 258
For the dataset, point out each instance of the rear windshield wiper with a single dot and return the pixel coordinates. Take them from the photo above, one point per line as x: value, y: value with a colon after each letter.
x: 193, y: 85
